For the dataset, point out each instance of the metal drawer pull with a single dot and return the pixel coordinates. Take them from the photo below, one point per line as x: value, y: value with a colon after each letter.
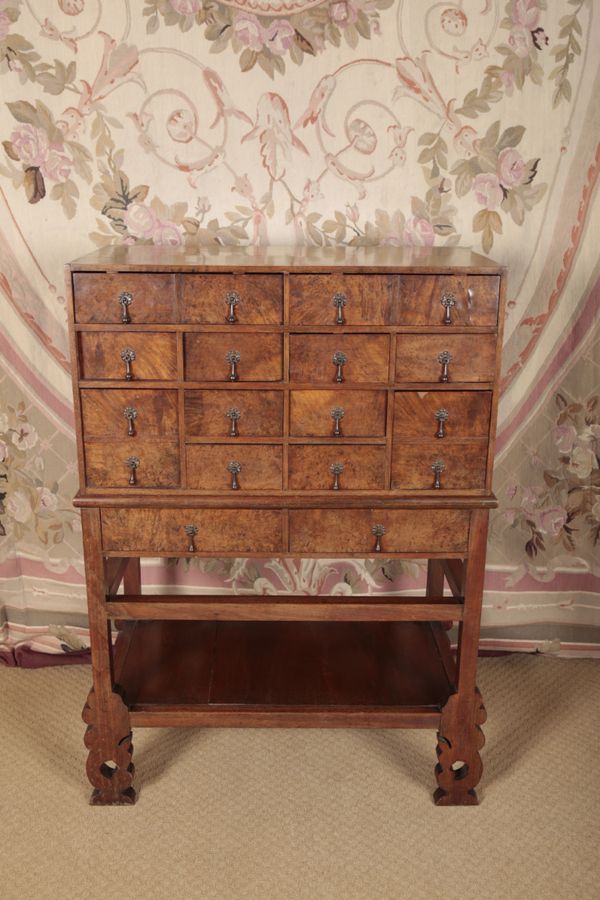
x: 336, y: 470
x: 130, y: 413
x: 448, y: 301
x: 339, y: 301
x: 438, y: 467
x: 444, y: 359
x: 232, y: 298
x: 339, y: 360
x: 133, y: 462
x: 233, y: 414
x: 442, y: 417
x: 128, y: 356
x: 191, y: 531
x: 337, y: 414
x: 125, y: 299
x: 378, y: 531
x: 233, y: 358
x: 234, y: 467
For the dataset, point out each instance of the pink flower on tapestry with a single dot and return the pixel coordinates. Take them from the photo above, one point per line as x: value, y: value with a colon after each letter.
x: 280, y: 37
x: 56, y: 166
x: 18, y: 506
x: 487, y: 190
x: 343, y: 13
x: 4, y: 25
x: 564, y: 437
x: 166, y: 234
x: 418, y: 233
x: 525, y: 13
x: 466, y: 140
x: 140, y: 220
x: 71, y: 7
x: 186, y: 7
x: 520, y: 41
x: 352, y: 213
x: 47, y: 501
x: 3, y: 451
x: 30, y: 144
x: 582, y: 462
x: 25, y: 436
x: 508, y: 80
x: 511, y: 167
x: 551, y: 521
x: 249, y: 31
x: 181, y: 126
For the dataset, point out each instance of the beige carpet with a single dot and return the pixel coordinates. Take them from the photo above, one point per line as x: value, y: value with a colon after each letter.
x: 307, y: 814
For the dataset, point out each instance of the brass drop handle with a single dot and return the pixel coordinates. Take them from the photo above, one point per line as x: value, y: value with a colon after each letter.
x: 125, y: 299
x: 378, y: 531
x: 339, y: 360
x: 448, y: 301
x: 133, y: 462
x: 339, y: 301
x: 232, y: 298
x: 233, y: 357
x: 234, y: 468
x: 128, y: 356
x: 234, y: 415
x: 438, y: 467
x: 337, y: 414
x: 336, y: 470
x: 444, y: 359
x: 442, y: 417
x: 130, y: 413
x: 191, y: 531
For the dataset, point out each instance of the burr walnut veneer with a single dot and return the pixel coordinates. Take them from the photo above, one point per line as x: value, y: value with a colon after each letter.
x: 336, y: 402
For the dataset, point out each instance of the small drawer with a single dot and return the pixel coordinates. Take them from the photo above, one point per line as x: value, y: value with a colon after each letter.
x: 226, y: 413
x: 351, y: 358
x: 445, y: 357
x: 144, y: 465
x: 129, y: 415
x: 183, y: 532
x: 341, y: 299
x: 130, y: 356
x: 452, y: 300
x: 125, y: 298
x: 233, y: 357
x: 219, y: 467
x: 452, y: 467
x: 445, y: 415
x: 350, y: 531
x: 243, y: 299
x: 337, y: 413
x: 320, y: 467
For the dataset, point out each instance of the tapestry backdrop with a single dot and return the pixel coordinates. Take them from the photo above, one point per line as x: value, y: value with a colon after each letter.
x: 206, y: 122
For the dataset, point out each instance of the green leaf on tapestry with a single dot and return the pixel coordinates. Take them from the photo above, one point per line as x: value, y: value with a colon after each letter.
x: 24, y: 112
x: 10, y: 150
x: 511, y: 137
x: 35, y: 189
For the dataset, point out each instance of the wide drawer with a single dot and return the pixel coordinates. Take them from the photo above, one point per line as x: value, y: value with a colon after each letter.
x: 144, y: 465
x: 172, y: 531
x: 243, y: 299
x: 115, y: 356
x: 232, y: 413
x: 126, y: 297
x: 352, y: 358
x: 437, y: 357
x: 129, y: 415
x: 341, y: 299
x: 318, y: 467
x: 451, y: 300
x: 340, y: 531
x: 233, y: 357
x: 219, y: 467
x: 445, y: 415
x: 454, y: 466
x: 351, y: 413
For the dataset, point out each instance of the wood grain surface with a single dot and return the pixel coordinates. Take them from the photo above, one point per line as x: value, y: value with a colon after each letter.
x: 473, y: 357
x: 364, y: 413
x: 260, y: 356
x: 261, y: 413
x: 204, y: 299
x: 261, y: 466
x: 311, y: 357
x: 468, y: 414
x: 364, y: 467
x: 104, y: 419
x: 100, y: 355
x: 464, y: 465
x: 106, y: 464
x: 154, y: 299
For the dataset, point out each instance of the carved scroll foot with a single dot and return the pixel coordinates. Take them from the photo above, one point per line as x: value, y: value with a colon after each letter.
x: 460, y: 739
x: 108, y: 739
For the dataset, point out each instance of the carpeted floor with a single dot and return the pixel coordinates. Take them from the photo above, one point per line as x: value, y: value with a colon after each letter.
x: 305, y: 815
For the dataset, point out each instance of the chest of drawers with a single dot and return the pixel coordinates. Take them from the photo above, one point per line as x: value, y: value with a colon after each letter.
x: 284, y: 402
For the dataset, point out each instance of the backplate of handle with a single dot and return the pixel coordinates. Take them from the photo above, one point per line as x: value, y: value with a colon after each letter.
x: 132, y: 463
x: 233, y: 299
x: 128, y: 356
x: 378, y: 531
x: 130, y: 413
x: 191, y: 531
x: 339, y: 300
x: 125, y: 299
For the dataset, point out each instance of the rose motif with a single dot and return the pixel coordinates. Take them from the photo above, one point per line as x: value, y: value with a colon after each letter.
x: 525, y: 13
x: 19, y: 507
x: 582, y: 462
x: 166, y: 234
x: 564, y: 437
x: 487, y: 190
x: 511, y: 167
x: 418, y: 233
x: 453, y: 21
x: 520, y: 41
x: 343, y: 13
x: 4, y: 25
x: 465, y: 141
x: 71, y: 7
x: 46, y: 500
x: 186, y: 7
x: 248, y: 31
x: 25, y: 436
x: 362, y: 136
x: 56, y: 166
x: 30, y: 144
x: 551, y: 521
x: 181, y: 126
x: 280, y: 37
x: 140, y: 220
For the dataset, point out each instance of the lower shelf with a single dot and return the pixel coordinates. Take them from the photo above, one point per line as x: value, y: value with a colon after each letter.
x: 284, y: 674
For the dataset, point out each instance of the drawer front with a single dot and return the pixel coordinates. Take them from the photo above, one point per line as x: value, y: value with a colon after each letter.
x: 340, y: 299
x: 441, y: 414
x: 419, y: 357
x: 218, y: 467
x: 129, y: 415
x: 365, y: 358
x: 148, y: 464
x: 247, y: 413
x: 453, y: 300
x: 247, y: 299
x: 257, y: 357
x: 218, y: 530
x: 359, y: 413
x: 151, y: 356
x: 348, y: 531
x: 124, y: 298
x: 319, y: 467
x: 464, y: 466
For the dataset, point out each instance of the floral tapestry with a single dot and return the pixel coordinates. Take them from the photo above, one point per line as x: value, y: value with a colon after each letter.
x: 320, y: 122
